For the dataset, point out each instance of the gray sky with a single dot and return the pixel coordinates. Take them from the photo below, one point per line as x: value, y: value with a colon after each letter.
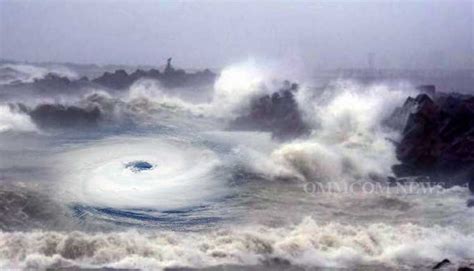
x: 324, y: 34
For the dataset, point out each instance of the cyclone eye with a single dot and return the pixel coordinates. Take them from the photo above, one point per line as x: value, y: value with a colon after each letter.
x: 137, y: 166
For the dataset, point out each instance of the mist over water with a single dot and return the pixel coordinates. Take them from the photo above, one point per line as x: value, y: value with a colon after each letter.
x: 264, y: 135
x: 160, y: 181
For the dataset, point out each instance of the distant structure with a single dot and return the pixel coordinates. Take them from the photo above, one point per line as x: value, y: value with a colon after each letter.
x: 169, y: 68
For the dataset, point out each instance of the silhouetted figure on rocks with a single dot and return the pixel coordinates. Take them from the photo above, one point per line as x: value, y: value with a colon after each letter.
x: 169, y: 68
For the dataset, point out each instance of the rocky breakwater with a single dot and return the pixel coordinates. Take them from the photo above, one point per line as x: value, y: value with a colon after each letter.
x: 277, y: 113
x: 437, y: 138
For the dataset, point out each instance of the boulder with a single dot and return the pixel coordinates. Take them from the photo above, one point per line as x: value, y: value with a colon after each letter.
x: 116, y: 80
x: 437, y: 137
x: 442, y: 264
x: 276, y: 113
x: 430, y: 90
x: 170, y: 78
x: 61, y: 116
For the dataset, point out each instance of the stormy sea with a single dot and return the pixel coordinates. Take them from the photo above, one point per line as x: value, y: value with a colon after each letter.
x: 246, y: 168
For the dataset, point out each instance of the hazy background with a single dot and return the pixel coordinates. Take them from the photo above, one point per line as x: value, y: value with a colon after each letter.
x: 320, y: 34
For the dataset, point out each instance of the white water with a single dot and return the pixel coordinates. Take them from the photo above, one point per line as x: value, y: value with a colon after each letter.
x: 243, y: 192
x: 13, y: 121
x: 349, y: 142
x: 307, y: 244
x: 26, y: 73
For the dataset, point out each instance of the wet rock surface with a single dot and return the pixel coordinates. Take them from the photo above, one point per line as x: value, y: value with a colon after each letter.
x: 170, y: 78
x: 442, y: 264
x: 117, y: 80
x: 61, y: 116
x: 276, y: 113
x: 437, y: 138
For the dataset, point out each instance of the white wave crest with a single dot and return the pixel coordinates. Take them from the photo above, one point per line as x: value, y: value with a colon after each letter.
x: 26, y: 73
x: 231, y: 93
x: 150, y: 90
x: 348, y: 139
x: 12, y: 120
x: 308, y: 244
x: 236, y: 85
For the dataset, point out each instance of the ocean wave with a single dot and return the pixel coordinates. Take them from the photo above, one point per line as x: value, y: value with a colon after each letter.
x: 307, y: 244
x: 349, y: 140
x: 22, y: 208
x: 25, y: 73
x: 146, y: 103
x: 12, y: 120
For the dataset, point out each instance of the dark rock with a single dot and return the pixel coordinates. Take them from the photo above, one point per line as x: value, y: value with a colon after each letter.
x: 437, y: 138
x: 277, y: 113
x: 52, y: 82
x: 117, y: 80
x: 153, y: 73
x: 470, y: 203
x: 176, y: 78
x: 61, y: 116
x: 430, y: 90
x: 441, y: 264
x: 276, y: 261
x: 465, y: 268
x: 399, y: 116
x: 170, y: 78
x: 419, y: 144
x: 471, y: 184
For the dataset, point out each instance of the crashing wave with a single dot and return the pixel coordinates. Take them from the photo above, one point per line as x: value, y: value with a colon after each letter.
x: 308, y: 245
x: 25, y: 73
x: 13, y: 120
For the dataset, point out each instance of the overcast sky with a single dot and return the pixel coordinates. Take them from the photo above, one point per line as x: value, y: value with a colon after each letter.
x: 324, y: 34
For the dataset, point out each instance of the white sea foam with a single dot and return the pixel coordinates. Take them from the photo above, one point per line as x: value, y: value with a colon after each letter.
x: 231, y: 94
x: 151, y: 90
x: 28, y: 73
x: 308, y: 244
x: 12, y: 120
x: 236, y: 85
x: 348, y: 139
